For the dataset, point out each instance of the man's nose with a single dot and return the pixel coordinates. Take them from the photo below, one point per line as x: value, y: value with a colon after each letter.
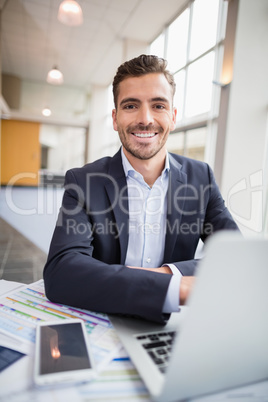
x: 145, y: 115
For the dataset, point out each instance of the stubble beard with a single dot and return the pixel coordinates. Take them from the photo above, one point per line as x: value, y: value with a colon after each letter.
x: 141, y: 151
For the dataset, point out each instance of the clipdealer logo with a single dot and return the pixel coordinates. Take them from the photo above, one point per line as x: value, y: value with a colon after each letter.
x: 251, y: 191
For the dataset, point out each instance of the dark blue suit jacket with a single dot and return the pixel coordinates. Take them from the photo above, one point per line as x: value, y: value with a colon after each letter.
x: 85, y: 266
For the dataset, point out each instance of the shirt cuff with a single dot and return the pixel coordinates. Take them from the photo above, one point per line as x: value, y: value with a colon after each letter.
x: 171, y: 303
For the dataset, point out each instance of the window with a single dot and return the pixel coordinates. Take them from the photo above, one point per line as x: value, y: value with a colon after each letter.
x: 199, y: 86
x: 190, y: 143
x: 193, y: 46
x: 177, y: 42
x: 204, y: 26
x: 157, y: 47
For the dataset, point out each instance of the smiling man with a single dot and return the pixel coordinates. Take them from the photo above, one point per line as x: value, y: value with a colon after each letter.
x: 129, y: 226
x: 144, y: 117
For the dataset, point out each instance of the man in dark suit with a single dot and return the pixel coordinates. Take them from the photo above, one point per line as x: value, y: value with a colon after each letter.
x: 129, y: 225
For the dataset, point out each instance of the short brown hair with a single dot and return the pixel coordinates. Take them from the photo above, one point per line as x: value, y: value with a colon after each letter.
x: 142, y: 65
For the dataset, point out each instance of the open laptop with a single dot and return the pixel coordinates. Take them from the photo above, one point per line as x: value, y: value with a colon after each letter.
x: 220, y: 339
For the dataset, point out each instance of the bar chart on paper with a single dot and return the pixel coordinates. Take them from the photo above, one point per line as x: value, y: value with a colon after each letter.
x: 21, y: 310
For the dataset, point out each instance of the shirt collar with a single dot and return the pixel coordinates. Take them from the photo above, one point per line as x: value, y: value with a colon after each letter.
x: 128, y: 167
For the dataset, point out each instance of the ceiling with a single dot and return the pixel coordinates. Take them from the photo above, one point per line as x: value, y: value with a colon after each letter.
x: 33, y: 40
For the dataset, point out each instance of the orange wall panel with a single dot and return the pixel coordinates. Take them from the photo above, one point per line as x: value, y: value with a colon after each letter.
x: 20, y: 152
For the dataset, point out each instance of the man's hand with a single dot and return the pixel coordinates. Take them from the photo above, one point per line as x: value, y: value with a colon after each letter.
x: 186, y: 286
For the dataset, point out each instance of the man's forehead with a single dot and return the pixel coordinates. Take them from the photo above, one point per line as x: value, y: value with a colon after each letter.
x: 150, y: 85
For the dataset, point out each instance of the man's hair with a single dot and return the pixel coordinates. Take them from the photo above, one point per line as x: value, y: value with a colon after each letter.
x: 142, y: 65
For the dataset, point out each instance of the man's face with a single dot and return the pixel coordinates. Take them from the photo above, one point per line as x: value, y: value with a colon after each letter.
x: 144, y: 115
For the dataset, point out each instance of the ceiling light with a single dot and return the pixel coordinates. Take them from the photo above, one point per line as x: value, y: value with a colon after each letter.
x: 46, y: 112
x: 70, y: 13
x: 55, y: 76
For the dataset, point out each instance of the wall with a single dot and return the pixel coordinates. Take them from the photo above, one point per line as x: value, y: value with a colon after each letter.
x: 65, y: 147
x: 60, y: 99
x: 11, y: 89
x: 99, y: 136
x: 20, y: 152
x: 244, y: 180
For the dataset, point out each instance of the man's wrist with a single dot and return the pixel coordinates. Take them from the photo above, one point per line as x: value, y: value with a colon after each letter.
x: 171, y: 303
x: 174, y: 270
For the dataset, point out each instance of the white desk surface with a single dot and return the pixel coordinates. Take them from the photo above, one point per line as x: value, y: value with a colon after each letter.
x: 118, y: 381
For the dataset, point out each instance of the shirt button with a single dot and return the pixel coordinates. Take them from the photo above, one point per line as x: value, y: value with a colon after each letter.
x: 148, y: 260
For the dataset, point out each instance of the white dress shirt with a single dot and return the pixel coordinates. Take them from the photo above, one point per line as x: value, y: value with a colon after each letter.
x: 147, y: 226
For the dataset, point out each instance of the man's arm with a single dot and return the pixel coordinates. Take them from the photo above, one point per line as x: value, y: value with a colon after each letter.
x: 217, y: 217
x: 186, y: 283
x: 75, y: 275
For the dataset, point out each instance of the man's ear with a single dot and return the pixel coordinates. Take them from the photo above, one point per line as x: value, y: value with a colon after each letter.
x: 114, y: 119
x: 174, y: 118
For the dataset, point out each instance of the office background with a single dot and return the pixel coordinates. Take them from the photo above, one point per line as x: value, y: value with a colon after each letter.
x: 218, y: 51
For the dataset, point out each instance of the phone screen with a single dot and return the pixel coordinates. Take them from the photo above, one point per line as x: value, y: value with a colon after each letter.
x: 62, y: 348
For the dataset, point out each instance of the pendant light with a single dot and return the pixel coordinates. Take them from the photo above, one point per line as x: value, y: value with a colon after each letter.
x: 46, y: 112
x: 70, y: 13
x: 55, y: 76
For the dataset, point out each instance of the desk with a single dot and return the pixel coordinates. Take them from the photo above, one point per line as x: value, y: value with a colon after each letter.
x: 117, y: 380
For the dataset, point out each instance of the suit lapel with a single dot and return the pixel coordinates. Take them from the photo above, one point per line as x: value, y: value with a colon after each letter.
x: 116, y: 189
x: 175, y: 205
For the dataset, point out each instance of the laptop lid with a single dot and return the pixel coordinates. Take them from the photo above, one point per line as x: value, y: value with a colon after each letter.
x: 222, y: 334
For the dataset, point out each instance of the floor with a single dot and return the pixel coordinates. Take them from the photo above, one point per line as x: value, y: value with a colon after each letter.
x: 20, y: 259
x: 27, y: 221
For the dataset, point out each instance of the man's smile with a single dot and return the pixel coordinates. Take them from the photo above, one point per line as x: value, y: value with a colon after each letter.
x: 144, y: 135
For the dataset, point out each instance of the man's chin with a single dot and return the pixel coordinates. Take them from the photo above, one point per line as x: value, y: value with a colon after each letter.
x: 143, y: 154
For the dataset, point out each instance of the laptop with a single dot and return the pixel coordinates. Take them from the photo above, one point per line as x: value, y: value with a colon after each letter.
x: 219, y: 340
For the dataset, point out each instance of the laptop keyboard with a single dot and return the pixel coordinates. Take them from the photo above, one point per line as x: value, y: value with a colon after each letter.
x: 158, y: 345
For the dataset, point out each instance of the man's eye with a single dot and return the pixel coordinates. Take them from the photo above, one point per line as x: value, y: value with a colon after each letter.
x: 159, y: 107
x: 129, y: 107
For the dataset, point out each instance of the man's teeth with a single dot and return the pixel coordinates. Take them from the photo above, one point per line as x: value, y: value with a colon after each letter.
x: 144, y: 135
